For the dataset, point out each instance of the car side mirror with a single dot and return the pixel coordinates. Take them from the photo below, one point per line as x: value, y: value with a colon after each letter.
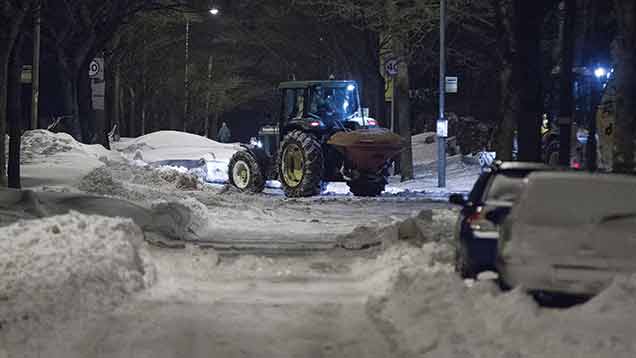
x: 457, y: 199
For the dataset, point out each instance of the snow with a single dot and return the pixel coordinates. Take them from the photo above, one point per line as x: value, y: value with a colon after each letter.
x: 170, y: 148
x: 56, y: 159
x: 65, y: 267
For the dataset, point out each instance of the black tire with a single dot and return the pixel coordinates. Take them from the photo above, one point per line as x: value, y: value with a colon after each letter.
x: 254, y: 182
x: 366, y: 188
x: 463, y: 264
x: 305, y: 181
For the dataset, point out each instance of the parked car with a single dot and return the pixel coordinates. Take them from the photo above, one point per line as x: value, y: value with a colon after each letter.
x: 570, y: 233
x: 477, y: 232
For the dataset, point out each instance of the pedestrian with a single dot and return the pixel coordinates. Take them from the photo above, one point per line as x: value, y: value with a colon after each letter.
x: 225, y: 136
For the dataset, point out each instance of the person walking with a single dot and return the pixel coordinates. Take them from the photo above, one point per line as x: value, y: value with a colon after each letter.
x: 225, y: 136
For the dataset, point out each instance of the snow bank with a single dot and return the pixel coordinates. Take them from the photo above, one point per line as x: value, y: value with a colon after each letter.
x: 172, y: 148
x: 427, y: 226
x: 430, y: 312
x: 139, y: 184
x: 57, y: 159
x: 64, y: 267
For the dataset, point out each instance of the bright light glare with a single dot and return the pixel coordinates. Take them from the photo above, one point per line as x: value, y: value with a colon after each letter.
x: 214, y: 11
x: 600, y: 72
x: 350, y: 88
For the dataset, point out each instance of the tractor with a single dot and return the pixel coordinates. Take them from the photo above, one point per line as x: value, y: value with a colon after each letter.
x: 322, y: 135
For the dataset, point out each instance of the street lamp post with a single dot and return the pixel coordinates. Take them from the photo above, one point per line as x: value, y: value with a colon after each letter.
x: 186, y: 107
x: 441, y: 122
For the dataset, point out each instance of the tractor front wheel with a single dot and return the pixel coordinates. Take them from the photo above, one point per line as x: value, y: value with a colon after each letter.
x: 300, y: 165
x: 245, y: 173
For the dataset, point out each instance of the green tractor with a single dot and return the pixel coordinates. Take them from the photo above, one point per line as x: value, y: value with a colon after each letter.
x: 321, y: 135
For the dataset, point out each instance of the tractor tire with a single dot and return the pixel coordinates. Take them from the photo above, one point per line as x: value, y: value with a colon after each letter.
x: 245, y: 173
x: 366, y: 188
x: 300, y: 165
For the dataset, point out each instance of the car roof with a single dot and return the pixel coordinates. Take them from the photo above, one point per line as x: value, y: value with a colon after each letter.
x: 522, y: 166
x: 307, y: 84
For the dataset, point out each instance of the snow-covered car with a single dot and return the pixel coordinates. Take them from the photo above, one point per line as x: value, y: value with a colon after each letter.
x: 570, y: 233
x: 490, y: 200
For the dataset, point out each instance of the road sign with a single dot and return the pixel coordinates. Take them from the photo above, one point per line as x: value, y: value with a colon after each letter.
x: 452, y: 84
x: 26, y: 77
x: 442, y: 128
x: 392, y: 67
x: 96, y: 69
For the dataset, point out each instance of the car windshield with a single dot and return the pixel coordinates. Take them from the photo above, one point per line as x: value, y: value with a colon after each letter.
x: 334, y: 103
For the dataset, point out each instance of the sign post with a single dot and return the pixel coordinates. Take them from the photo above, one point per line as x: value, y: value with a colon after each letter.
x: 392, y: 68
x: 442, y: 123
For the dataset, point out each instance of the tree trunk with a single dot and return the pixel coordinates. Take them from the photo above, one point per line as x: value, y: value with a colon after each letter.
x: 214, y: 126
x: 85, y: 98
x: 402, y: 100
x: 526, y: 71
x: 132, y: 112
x: 624, y: 53
x: 14, y: 111
x: 508, y: 93
x: 566, y: 97
x: 4, y: 75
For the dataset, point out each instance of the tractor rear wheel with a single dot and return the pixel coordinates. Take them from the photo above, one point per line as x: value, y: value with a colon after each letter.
x: 245, y: 173
x: 300, y: 164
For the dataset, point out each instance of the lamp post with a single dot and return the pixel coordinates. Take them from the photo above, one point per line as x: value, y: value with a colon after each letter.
x: 442, y: 122
x: 214, y: 11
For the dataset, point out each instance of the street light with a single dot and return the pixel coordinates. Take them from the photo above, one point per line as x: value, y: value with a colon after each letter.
x: 186, y: 110
x: 600, y: 72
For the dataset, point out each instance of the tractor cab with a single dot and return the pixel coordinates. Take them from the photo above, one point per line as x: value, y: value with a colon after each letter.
x: 321, y: 106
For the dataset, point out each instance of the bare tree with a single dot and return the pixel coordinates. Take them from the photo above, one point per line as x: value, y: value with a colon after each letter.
x: 12, y: 15
x: 624, y: 52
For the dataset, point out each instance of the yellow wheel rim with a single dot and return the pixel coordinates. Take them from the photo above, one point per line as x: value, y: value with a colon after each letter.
x: 293, y: 165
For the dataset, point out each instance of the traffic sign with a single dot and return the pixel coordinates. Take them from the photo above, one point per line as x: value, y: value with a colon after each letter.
x: 392, y: 67
x: 96, y: 69
x: 452, y: 84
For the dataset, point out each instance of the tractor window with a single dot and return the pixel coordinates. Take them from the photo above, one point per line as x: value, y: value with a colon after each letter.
x: 294, y: 104
x: 336, y: 103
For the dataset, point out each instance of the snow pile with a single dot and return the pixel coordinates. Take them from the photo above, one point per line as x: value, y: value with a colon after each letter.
x: 185, y: 150
x: 39, y: 144
x: 187, y: 219
x: 427, y: 226
x: 432, y: 313
x: 139, y: 184
x: 58, y: 160
x: 64, y: 267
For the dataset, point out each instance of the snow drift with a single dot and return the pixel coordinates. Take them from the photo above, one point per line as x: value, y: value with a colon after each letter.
x: 430, y: 312
x: 181, y: 150
x: 66, y: 267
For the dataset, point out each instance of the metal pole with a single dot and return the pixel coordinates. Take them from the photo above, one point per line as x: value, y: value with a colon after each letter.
x: 186, y: 107
x: 207, y: 103
x: 392, y: 104
x: 35, y: 86
x: 441, y: 139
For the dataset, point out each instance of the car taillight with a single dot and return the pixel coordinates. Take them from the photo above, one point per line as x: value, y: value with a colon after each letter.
x: 476, y: 216
x: 315, y: 123
x: 372, y: 122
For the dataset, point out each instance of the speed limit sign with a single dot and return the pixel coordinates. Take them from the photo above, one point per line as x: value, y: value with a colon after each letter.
x: 392, y: 67
x: 96, y: 68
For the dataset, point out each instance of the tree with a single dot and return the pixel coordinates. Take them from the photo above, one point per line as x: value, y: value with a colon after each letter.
x: 12, y: 14
x: 624, y: 52
x: 77, y: 31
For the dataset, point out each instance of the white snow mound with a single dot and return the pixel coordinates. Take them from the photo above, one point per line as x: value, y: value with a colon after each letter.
x: 63, y: 267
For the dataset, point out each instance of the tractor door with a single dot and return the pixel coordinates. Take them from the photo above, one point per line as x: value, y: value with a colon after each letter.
x: 294, y: 107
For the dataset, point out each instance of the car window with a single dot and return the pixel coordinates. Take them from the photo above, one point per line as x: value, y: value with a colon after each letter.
x: 504, y: 188
x: 477, y: 193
